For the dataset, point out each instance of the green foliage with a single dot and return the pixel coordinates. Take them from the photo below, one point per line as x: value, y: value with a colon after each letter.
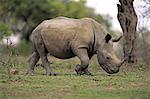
x: 4, y: 30
x: 77, y: 10
x: 27, y: 14
x: 23, y: 48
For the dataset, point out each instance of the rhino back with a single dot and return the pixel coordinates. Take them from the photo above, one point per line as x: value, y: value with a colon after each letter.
x: 62, y: 35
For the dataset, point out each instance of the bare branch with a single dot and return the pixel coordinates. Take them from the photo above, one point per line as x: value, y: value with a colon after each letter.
x: 142, y: 8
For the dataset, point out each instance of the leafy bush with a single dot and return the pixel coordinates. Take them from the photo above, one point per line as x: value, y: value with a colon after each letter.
x: 25, y: 15
x: 4, y: 30
x: 23, y: 48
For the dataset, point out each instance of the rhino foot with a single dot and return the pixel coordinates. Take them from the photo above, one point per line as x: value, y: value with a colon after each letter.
x: 30, y: 73
x: 51, y: 74
x: 86, y: 72
x: 82, y: 71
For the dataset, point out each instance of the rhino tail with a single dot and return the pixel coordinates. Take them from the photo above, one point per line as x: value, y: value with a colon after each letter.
x: 33, y: 50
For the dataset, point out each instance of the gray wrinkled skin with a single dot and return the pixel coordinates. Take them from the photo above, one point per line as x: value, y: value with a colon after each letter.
x: 65, y: 38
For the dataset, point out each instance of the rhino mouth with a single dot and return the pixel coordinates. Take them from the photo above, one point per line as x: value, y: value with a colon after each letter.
x: 110, y: 70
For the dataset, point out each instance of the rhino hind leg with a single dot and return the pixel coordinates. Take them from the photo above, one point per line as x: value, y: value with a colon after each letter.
x: 33, y: 59
x: 43, y: 55
x: 82, y: 69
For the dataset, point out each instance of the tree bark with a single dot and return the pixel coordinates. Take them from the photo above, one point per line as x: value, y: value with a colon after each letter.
x: 128, y: 21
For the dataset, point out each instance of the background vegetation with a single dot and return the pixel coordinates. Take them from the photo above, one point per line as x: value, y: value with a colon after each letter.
x: 24, y: 15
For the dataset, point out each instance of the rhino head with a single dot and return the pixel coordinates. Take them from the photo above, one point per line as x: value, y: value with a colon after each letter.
x: 106, y: 55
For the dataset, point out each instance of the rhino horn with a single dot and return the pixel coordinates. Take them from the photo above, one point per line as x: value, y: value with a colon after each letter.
x: 123, y: 61
x: 117, y: 39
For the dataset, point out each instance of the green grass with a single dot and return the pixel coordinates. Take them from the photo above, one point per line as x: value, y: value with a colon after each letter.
x: 129, y: 83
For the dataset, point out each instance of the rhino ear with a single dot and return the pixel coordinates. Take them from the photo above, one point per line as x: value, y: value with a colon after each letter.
x: 108, y: 38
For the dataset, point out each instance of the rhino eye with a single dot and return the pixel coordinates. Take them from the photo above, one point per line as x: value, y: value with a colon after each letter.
x: 108, y: 58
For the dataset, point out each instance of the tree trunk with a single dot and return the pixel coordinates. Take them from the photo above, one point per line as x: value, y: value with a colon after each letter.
x: 128, y: 21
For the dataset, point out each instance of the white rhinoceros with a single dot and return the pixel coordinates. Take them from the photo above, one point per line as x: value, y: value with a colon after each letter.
x: 65, y: 38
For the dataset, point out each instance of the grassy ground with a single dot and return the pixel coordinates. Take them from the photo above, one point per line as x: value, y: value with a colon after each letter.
x: 129, y: 83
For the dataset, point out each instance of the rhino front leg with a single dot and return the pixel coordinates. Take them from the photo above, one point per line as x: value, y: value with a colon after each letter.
x: 82, y: 69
